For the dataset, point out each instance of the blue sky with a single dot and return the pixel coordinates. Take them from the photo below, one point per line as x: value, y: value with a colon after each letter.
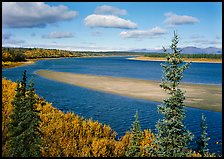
x: 106, y: 26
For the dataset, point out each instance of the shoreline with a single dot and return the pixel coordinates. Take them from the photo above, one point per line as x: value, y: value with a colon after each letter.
x: 18, y: 64
x: 198, y: 60
x: 139, y: 58
x: 33, y: 61
x: 207, y: 97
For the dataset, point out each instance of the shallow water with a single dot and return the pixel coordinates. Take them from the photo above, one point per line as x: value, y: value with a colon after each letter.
x: 114, y: 110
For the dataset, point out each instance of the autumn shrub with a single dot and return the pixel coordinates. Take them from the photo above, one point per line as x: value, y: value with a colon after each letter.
x: 8, y: 93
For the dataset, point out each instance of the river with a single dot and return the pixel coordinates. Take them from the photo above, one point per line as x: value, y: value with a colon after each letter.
x: 118, y: 111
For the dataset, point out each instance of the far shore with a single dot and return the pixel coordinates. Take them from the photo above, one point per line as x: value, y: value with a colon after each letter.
x: 32, y: 61
x: 27, y: 62
x: 140, y: 58
x: 200, y: 96
x: 203, y: 60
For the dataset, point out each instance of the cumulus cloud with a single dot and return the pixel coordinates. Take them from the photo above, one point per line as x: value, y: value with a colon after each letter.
x: 58, y: 35
x: 33, y: 14
x: 174, y: 19
x: 105, y: 9
x: 108, y: 21
x: 154, y: 32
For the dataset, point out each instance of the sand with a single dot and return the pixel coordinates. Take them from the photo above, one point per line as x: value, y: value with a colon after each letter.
x: 207, y: 97
x: 203, y: 60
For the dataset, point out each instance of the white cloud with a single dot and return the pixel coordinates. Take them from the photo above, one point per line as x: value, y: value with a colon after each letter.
x: 108, y: 21
x: 154, y: 32
x: 58, y: 35
x: 174, y: 19
x: 105, y: 9
x: 33, y: 14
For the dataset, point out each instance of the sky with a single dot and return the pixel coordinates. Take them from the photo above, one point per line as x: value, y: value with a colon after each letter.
x: 110, y: 26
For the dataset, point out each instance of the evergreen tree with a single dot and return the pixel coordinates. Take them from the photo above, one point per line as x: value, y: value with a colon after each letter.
x: 172, y: 137
x: 202, y: 141
x: 23, y: 128
x: 135, y: 139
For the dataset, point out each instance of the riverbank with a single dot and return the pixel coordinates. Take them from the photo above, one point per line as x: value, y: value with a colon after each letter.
x: 200, y: 96
x: 10, y: 64
x: 206, y: 60
x: 32, y: 61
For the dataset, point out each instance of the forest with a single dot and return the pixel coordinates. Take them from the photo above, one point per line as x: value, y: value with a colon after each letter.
x: 17, y: 56
x: 210, y: 56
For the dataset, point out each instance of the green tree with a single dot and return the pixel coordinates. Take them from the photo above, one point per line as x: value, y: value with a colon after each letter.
x: 133, y: 149
x: 24, y: 138
x: 202, y: 141
x: 172, y: 137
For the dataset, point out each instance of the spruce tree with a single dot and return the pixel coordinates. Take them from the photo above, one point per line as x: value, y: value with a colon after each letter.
x: 202, y: 141
x: 134, y: 144
x: 172, y: 137
x: 23, y: 128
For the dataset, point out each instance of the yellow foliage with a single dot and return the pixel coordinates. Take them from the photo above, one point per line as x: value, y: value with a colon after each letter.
x: 103, y: 147
x: 8, y: 93
x: 121, y: 145
x: 69, y: 135
x: 148, y: 137
x: 197, y: 154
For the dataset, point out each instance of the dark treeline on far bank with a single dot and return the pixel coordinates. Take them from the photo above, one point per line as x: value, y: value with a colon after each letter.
x: 211, y: 56
x: 21, y: 54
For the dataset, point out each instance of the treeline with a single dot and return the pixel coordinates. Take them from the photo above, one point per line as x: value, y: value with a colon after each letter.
x: 13, y: 55
x: 46, y: 53
x: 210, y: 56
x: 21, y: 54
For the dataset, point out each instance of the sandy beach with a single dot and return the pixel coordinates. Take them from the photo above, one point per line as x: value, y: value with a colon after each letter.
x: 207, y: 97
x: 206, y: 60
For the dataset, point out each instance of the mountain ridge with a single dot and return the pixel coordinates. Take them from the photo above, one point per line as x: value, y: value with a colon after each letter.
x: 185, y: 50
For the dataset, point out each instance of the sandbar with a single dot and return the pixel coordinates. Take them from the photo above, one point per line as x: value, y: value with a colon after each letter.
x: 201, y: 96
x: 201, y: 60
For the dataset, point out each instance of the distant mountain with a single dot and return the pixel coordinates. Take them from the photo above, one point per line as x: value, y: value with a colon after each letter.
x: 185, y: 50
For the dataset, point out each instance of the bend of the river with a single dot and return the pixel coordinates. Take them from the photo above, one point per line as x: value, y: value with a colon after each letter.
x: 115, y: 110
